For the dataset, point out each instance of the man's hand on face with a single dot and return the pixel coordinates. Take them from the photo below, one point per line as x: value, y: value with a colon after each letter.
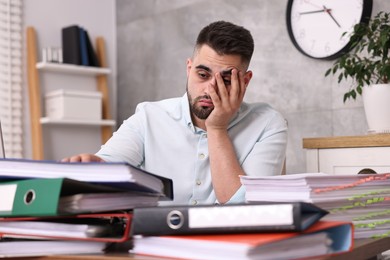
x: 226, y: 99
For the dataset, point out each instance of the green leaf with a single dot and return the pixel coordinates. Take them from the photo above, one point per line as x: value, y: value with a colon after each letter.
x: 353, y: 94
x: 335, y: 68
x: 359, y: 90
x: 346, y: 96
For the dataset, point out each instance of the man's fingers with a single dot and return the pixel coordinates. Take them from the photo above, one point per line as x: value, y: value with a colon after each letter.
x: 235, y: 87
x: 82, y: 158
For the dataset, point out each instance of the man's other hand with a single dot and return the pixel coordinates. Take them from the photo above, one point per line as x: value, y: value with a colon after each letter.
x: 84, y: 157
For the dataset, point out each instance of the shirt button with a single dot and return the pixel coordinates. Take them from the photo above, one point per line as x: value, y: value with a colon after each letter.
x: 201, y: 156
x: 198, y: 182
x: 194, y: 202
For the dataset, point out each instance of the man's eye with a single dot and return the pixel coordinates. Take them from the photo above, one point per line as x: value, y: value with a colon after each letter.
x: 227, y: 82
x: 203, y: 75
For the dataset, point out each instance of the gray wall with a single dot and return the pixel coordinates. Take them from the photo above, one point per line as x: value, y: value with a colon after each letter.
x: 155, y: 37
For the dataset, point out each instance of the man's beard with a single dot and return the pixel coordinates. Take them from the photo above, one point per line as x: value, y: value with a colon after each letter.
x: 199, y: 111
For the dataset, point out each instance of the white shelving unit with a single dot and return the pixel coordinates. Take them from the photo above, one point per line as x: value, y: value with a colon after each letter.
x: 64, y: 137
x: 72, y: 69
x: 103, y: 122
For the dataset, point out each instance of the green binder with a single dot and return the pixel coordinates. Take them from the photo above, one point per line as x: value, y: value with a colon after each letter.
x: 40, y: 197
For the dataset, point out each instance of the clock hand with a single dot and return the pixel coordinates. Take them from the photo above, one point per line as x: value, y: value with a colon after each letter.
x: 331, y: 16
x: 312, y: 12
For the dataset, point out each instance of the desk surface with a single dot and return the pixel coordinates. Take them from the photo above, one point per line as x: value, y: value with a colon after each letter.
x: 370, y: 140
x: 363, y: 249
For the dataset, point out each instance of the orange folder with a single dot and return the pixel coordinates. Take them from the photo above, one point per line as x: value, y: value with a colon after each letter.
x: 250, y: 245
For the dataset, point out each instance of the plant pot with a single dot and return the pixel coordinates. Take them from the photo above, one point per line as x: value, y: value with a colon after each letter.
x: 376, y: 101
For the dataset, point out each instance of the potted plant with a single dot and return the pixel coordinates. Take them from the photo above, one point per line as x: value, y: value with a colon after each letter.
x: 368, y: 65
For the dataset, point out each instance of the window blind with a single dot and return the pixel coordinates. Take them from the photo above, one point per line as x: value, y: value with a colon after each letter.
x: 11, y: 70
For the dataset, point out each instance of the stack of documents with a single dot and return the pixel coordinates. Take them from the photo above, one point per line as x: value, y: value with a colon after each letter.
x: 362, y: 199
x: 119, y: 175
x: 322, y: 238
x: 23, y: 248
x: 55, y: 205
x: 261, y: 230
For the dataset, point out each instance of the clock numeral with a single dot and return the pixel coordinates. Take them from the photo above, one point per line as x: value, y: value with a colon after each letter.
x: 302, y: 34
x: 313, y: 44
x: 295, y: 17
x: 302, y: 2
x: 327, y: 48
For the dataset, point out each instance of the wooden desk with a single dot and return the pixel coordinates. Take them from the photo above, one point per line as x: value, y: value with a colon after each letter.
x: 348, y: 154
x: 363, y: 249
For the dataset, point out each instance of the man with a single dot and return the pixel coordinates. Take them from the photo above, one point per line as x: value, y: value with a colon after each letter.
x: 206, y: 139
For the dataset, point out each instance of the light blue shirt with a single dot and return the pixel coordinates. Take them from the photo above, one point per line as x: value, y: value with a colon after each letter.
x: 161, y: 138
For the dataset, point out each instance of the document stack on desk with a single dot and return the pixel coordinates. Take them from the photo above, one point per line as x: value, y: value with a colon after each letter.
x: 55, y: 204
x: 238, y: 231
x: 361, y: 199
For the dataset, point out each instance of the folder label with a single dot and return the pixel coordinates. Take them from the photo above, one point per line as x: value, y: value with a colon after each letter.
x: 7, y: 195
x: 233, y: 216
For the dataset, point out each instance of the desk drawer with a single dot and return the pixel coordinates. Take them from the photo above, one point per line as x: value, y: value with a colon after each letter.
x: 353, y: 160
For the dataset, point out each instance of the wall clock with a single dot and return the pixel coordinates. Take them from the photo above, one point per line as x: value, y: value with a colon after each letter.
x: 316, y: 26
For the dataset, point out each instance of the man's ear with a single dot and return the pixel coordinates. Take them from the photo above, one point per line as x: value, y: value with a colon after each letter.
x: 247, y: 77
x: 189, y: 65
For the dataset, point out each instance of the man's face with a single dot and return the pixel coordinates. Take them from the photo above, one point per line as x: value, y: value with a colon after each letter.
x: 201, y: 70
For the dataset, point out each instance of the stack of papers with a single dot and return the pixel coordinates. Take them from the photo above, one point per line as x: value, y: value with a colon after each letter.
x: 48, y: 207
x: 41, y: 248
x: 120, y: 175
x: 323, y: 238
x: 362, y: 199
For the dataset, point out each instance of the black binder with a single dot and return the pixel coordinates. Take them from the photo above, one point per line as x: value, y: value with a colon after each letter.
x: 231, y: 218
x: 71, y: 52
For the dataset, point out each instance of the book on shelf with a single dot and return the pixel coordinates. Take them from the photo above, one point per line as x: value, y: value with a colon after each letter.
x: 117, y: 175
x: 322, y: 238
x: 231, y: 218
x: 91, y: 53
x: 84, y: 58
x: 363, y: 199
x: 70, y: 37
x: 77, y: 47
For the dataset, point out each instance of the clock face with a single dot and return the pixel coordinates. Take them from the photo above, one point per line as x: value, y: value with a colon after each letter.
x: 316, y: 27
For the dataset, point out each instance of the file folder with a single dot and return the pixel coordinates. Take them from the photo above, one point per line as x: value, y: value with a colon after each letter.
x: 104, y: 227
x: 232, y: 218
x: 284, y: 245
x: 42, y: 197
x: 118, y: 175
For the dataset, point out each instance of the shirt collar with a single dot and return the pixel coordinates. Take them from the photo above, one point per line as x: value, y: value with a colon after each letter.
x: 182, y: 112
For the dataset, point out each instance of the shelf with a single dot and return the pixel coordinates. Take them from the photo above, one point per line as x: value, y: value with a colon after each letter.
x: 72, y: 69
x: 52, y: 121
